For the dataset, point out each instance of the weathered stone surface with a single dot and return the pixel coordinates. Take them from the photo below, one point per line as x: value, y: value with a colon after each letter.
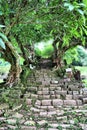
x: 52, y: 129
x: 60, y: 112
x: 32, y: 89
x: 29, y: 122
x: 75, y: 92
x: 62, y: 118
x: 50, y: 107
x: 39, y: 92
x: 60, y: 92
x: 45, y: 92
x: 29, y: 101
x: 1, y: 113
x: 28, y: 128
x: 42, y: 122
x: 45, y: 89
x: 84, y: 126
x: 17, y: 115
x: 57, y: 96
x: 34, y: 96
x: 46, y: 96
x: 46, y: 102
x: 44, y: 107
x: 75, y: 97
x: 3, y: 128
x: 51, y: 113
x: 58, y: 88
x: 70, y: 102
x: 2, y: 119
x: 57, y: 102
x: 11, y: 121
x: 12, y: 127
x: 4, y: 106
x: 52, y: 92
x: 79, y: 102
x: 70, y: 92
x: 52, y: 88
x: 68, y: 97
x: 53, y: 96
x: 38, y: 102
x: 84, y: 100
x: 43, y: 114
x: 34, y: 109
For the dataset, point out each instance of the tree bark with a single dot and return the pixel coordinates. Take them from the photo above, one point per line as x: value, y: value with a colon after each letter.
x: 11, y: 55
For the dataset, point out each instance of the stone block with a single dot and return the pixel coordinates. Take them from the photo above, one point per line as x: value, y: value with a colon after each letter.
x: 85, y: 92
x: 84, y: 100
x: 39, y: 92
x: 68, y: 97
x: 60, y: 112
x: 50, y: 108
x: 46, y: 96
x: 52, y: 96
x: 52, y: 92
x: 59, y: 88
x: 57, y: 96
x: 43, y: 114
x: 45, y: 89
x: 42, y: 122
x: 44, y: 107
x: 51, y: 113
x: 45, y: 92
x: 57, y: 102
x: 38, y: 102
x: 52, y: 88
x: 33, y: 89
x: 46, y: 102
x: 75, y: 97
x: 61, y: 92
x: 28, y: 128
x: 34, y: 96
x: 63, y: 118
x: 75, y: 92
x: 70, y: 92
x: 70, y: 102
x: 79, y: 102
x: 34, y: 109
x: 29, y: 101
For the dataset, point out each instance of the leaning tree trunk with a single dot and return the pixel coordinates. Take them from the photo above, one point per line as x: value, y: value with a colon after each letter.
x: 11, y: 55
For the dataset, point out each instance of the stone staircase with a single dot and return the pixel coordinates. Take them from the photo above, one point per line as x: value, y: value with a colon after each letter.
x: 56, y: 102
x: 50, y: 104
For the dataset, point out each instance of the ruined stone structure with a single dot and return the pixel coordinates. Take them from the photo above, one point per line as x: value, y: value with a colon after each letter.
x: 50, y: 104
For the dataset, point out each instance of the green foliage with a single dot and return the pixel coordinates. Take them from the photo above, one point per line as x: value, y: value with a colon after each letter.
x: 33, y: 21
x: 2, y: 44
x: 44, y: 49
x: 71, y: 55
x: 82, y: 55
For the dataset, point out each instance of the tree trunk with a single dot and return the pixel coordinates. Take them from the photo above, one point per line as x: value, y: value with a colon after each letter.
x: 11, y: 55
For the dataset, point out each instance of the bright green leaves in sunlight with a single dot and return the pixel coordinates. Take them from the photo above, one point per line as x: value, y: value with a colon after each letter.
x: 3, y: 39
x: 2, y: 44
x: 75, y: 6
x: 70, y: 6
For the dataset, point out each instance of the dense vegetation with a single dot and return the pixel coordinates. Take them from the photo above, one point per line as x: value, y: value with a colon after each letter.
x: 24, y: 23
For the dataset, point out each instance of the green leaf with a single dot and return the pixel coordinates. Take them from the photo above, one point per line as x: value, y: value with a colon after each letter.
x: 80, y: 11
x: 85, y: 30
x: 70, y: 6
x: 1, y: 13
x: 2, y: 44
x: 1, y: 26
x: 85, y: 2
x: 3, y: 36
